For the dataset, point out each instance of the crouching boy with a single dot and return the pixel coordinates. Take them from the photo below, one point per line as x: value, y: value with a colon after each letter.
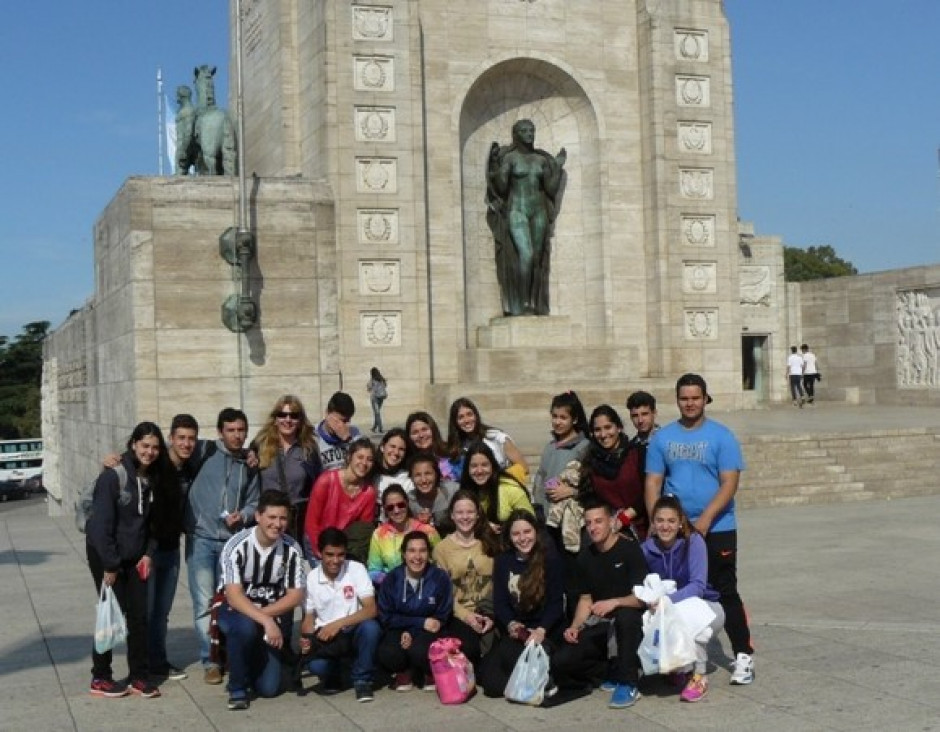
x: 263, y: 578
x: 340, y: 619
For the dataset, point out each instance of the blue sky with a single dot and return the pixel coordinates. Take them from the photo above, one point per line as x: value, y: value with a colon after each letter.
x: 836, y: 103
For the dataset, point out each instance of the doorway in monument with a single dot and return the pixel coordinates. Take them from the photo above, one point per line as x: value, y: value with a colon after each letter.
x: 754, y: 368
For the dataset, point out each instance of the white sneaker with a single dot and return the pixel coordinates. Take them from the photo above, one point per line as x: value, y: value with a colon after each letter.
x: 743, y: 672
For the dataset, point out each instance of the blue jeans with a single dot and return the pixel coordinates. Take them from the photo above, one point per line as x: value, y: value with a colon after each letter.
x: 203, y: 570
x: 252, y: 663
x: 359, y: 642
x: 161, y: 589
x: 377, y: 413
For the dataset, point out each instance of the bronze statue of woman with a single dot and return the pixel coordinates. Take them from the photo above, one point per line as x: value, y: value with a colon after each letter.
x: 523, y: 183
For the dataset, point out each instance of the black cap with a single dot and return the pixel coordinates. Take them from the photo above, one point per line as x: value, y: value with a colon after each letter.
x: 693, y: 380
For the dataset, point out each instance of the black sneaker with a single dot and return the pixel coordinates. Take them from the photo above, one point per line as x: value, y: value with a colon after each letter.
x: 144, y: 688
x: 364, y: 691
x: 108, y: 689
x: 174, y: 673
x: 238, y: 703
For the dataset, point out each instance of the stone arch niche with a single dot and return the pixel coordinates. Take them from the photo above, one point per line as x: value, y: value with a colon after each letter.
x: 530, y: 88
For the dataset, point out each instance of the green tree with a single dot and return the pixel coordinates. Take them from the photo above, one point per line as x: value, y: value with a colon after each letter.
x: 814, y: 263
x: 20, y: 377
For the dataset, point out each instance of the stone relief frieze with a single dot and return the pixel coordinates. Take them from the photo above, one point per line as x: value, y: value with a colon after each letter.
x: 700, y: 278
x: 698, y: 231
x: 377, y: 226
x: 373, y: 73
x: 918, y: 354
x: 701, y: 325
x: 380, y: 329
x: 755, y: 285
x: 375, y: 124
x: 697, y: 183
x: 695, y: 137
x: 379, y: 277
x: 691, y: 45
x: 693, y: 91
x: 371, y: 23
x: 376, y: 175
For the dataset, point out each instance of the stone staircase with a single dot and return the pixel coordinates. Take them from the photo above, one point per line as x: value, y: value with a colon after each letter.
x: 786, y: 470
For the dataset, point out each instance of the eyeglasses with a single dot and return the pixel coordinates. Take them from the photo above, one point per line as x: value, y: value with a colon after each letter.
x: 389, y: 507
x: 287, y: 415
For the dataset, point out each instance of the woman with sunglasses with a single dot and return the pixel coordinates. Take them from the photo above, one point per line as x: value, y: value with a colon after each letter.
x: 288, y: 457
x: 385, y: 546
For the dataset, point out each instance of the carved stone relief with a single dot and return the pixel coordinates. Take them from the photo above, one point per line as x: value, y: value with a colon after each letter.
x: 693, y: 91
x: 701, y: 324
x: 755, y: 285
x: 375, y: 124
x: 377, y: 226
x: 698, y: 231
x: 379, y: 277
x: 691, y: 45
x: 697, y: 183
x: 380, y: 329
x: 373, y: 73
x: 376, y: 175
x: 695, y: 137
x: 918, y: 354
x: 371, y: 23
x: 700, y: 278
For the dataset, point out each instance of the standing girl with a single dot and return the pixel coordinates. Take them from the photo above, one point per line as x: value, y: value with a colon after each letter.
x: 378, y: 391
x: 676, y: 551
x: 465, y: 426
x: 569, y: 443
x: 117, y: 536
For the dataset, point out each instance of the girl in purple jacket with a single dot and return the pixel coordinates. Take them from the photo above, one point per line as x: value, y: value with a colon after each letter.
x: 676, y: 551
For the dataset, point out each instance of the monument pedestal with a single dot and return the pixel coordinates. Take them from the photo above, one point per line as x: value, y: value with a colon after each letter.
x: 528, y: 331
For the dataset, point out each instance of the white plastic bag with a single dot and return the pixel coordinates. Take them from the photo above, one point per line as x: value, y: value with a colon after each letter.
x: 110, y: 627
x: 667, y: 644
x: 529, y: 677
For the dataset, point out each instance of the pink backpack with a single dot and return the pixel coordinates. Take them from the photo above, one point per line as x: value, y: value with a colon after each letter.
x: 453, y: 672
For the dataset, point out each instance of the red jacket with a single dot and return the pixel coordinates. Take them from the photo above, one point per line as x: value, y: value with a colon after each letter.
x: 330, y: 506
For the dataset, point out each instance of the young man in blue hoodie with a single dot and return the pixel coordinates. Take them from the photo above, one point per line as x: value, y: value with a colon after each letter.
x: 335, y: 433
x: 221, y: 501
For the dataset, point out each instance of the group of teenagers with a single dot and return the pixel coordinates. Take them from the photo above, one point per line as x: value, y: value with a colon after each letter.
x: 386, y: 549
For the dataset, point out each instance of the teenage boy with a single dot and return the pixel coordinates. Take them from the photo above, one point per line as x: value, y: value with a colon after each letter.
x: 642, y: 408
x: 263, y: 579
x: 699, y: 461
x: 608, y: 569
x: 221, y: 501
x: 340, y: 618
x: 335, y: 433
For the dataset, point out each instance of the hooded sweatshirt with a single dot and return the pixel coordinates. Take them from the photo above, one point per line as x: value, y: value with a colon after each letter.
x: 686, y: 562
x: 118, y: 527
x: 404, y: 607
x: 333, y: 449
x: 224, y: 483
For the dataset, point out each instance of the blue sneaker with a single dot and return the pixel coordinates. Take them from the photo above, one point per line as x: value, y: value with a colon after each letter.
x: 624, y: 695
x: 608, y: 685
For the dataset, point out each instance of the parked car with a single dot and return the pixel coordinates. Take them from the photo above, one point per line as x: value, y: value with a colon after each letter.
x: 10, y: 491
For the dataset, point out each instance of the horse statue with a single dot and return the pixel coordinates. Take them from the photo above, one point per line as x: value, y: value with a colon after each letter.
x: 214, y: 131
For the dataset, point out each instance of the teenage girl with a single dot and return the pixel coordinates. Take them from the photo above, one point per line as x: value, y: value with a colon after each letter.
x: 569, y: 443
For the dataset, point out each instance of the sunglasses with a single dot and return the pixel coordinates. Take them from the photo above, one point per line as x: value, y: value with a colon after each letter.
x: 395, y: 506
x: 287, y: 415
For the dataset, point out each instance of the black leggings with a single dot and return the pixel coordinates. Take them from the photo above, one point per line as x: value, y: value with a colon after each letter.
x: 723, y: 576
x: 394, y: 659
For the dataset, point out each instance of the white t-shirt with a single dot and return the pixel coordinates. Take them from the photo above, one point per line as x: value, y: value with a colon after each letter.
x: 331, y: 600
x: 809, y: 363
x: 795, y: 364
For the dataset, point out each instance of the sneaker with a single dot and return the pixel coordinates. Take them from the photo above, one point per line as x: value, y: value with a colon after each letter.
x: 329, y: 686
x: 238, y: 702
x: 364, y: 691
x: 428, y: 686
x: 108, y: 688
x: 551, y: 688
x: 213, y: 675
x: 175, y: 673
x: 624, y: 695
x: 402, y: 681
x: 143, y: 688
x: 608, y: 685
x: 695, y: 690
x: 743, y: 672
